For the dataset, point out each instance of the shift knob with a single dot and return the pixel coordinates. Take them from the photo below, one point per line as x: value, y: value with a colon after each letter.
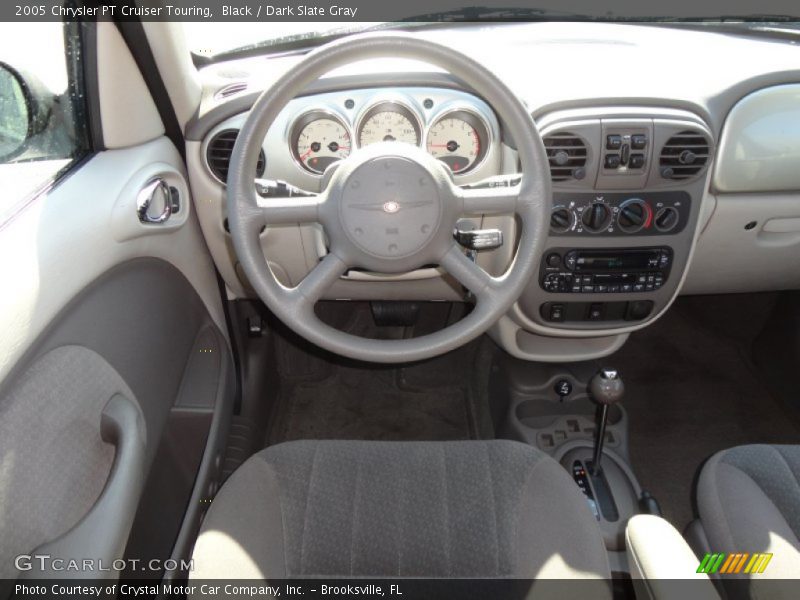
x: 606, y: 387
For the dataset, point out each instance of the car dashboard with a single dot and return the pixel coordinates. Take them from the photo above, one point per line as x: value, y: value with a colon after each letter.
x: 665, y: 180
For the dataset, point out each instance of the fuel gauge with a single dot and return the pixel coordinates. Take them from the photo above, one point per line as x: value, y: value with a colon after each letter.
x: 459, y: 139
x: 320, y: 140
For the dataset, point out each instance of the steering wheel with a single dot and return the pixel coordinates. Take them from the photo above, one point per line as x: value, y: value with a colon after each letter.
x: 389, y: 207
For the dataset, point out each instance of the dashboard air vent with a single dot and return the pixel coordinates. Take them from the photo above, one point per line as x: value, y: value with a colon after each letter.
x: 684, y: 155
x: 567, y: 155
x: 230, y: 90
x: 218, y: 154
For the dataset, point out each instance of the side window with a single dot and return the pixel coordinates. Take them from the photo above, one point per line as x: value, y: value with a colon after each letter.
x: 43, y: 127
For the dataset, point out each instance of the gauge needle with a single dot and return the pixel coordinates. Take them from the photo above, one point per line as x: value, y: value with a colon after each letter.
x: 306, y: 155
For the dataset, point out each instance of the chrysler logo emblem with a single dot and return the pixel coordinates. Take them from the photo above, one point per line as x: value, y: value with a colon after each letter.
x: 391, y: 207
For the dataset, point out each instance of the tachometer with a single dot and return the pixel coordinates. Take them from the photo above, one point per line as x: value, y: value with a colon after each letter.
x: 459, y: 139
x: 319, y: 140
x: 388, y: 122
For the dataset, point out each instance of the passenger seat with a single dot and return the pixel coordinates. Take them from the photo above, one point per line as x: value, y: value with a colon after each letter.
x: 748, y: 501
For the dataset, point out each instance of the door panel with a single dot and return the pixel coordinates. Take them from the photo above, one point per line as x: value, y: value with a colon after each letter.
x: 52, y: 412
x: 114, y: 358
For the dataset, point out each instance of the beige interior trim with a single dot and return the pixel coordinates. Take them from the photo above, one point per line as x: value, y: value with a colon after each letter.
x: 658, y: 556
x: 128, y: 114
x: 171, y: 53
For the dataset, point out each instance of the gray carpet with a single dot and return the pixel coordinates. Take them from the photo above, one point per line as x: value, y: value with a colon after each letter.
x: 691, y: 391
x: 325, y: 397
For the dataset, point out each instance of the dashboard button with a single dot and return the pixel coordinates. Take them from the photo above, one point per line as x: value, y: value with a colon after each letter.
x: 612, y: 161
x: 613, y: 142
x: 556, y: 312
x: 596, y: 312
x: 553, y: 260
x: 638, y: 142
x: 636, y: 161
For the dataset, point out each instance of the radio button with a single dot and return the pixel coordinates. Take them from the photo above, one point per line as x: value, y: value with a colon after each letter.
x: 571, y: 259
x: 553, y: 260
x: 587, y: 289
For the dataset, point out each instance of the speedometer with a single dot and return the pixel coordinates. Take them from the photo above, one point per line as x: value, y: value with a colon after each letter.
x: 388, y: 122
x: 319, y: 141
x: 459, y: 139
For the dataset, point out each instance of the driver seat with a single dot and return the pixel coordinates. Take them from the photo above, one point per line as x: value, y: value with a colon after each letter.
x: 400, y: 509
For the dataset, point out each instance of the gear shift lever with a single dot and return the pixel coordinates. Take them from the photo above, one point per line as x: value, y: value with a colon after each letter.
x: 605, y: 388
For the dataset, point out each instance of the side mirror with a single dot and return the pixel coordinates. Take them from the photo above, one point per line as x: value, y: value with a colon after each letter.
x: 23, y: 111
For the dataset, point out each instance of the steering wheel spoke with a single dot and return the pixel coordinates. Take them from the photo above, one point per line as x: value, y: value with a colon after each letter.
x: 469, y: 274
x: 320, y: 279
x: 496, y: 195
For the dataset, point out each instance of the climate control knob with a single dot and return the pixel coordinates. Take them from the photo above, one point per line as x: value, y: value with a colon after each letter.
x: 596, y: 217
x: 562, y: 219
x: 634, y: 214
x: 666, y: 219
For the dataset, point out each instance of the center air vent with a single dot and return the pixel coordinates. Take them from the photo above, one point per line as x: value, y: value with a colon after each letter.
x: 567, y: 155
x: 218, y: 154
x: 684, y: 155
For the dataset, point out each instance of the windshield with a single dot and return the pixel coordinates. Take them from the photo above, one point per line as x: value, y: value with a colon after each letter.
x: 211, y: 38
x: 223, y: 40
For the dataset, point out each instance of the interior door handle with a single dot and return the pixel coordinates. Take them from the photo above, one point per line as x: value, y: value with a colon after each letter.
x: 103, y: 532
x: 155, y: 196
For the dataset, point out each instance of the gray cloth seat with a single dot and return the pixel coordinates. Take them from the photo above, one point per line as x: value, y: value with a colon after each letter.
x: 400, y: 509
x: 748, y: 500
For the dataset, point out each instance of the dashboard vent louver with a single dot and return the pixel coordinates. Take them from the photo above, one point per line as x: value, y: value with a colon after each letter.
x: 218, y: 154
x: 567, y: 155
x: 684, y: 155
x: 230, y: 90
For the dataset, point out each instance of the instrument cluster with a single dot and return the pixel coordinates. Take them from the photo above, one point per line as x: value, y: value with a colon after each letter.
x: 458, y: 133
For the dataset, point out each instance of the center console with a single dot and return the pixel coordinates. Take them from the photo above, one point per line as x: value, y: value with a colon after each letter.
x: 628, y: 185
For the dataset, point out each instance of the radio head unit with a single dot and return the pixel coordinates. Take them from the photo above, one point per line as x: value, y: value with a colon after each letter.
x: 622, y: 270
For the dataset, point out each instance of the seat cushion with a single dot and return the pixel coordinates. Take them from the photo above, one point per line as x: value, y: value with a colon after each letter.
x: 400, y: 509
x: 748, y: 499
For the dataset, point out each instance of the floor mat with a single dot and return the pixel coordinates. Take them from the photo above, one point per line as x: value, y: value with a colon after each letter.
x: 325, y: 397
x: 691, y: 390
